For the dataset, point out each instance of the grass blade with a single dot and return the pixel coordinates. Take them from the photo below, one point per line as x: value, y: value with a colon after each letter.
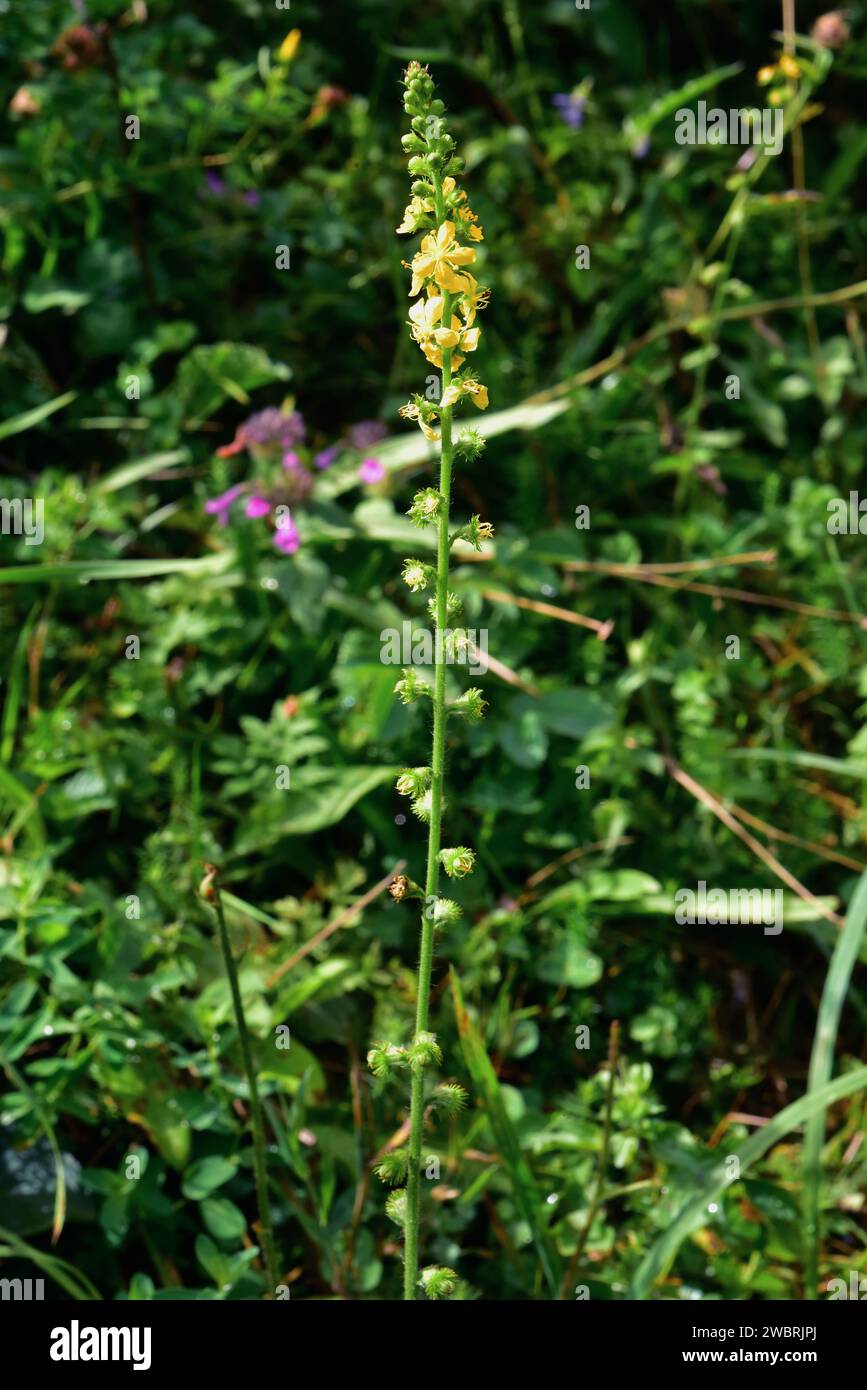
x: 76, y: 1284
x: 20, y: 1084
x: 141, y: 468
x: 78, y: 571
x: 694, y: 1215
x: 846, y: 951
x: 487, y: 1086
x: 29, y: 418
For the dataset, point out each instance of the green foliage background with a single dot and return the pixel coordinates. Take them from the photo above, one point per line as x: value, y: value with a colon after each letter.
x: 120, y: 777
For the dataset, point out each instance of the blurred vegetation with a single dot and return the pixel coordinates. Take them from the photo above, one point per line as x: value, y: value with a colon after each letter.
x: 144, y: 320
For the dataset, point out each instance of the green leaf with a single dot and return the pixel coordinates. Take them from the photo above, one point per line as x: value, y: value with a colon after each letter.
x: 215, y: 372
x: 682, y: 96
x: 571, y: 713
x: 329, y: 795
x: 204, y: 1177
x: 223, y: 1219
x: 569, y: 963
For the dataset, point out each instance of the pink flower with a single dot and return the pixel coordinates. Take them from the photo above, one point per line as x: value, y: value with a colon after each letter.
x: 219, y: 506
x: 257, y: 506
x: 286, y: 536
x: 291, y: 461
x: 371, y: 471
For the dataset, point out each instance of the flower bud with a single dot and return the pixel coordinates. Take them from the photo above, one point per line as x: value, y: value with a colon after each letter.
x: 438, y: 1281
x: 423, y: 1051
x: 831, y: 30
x: 457, y: 862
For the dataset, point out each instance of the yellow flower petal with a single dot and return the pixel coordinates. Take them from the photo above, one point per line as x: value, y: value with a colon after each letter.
x: 447, y: 280
x: 289, y: 47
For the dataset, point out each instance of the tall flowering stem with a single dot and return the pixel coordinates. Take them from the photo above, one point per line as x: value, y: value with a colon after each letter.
x: 442, y: 323
x: 210, y: 891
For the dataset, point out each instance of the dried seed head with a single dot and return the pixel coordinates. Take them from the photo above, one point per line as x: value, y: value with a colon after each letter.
x: 399, y: 888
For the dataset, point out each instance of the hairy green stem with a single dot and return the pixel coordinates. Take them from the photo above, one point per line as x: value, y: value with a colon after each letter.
x: 425, y: 964
x: 268, y: 1249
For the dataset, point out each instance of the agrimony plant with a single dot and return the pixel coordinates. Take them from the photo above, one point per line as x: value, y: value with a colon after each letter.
x: 442, y: 321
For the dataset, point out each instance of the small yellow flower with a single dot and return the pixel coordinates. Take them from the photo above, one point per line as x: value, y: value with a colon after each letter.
x: 415, y: 210
x: 424, y: 316
x: 788, y: 67
x: 477, y: 393
x: 289, y: 47
x: 432, y: 336
x: 410, y: 411
x: 470, y: 227
x: 472, y: 300
x: 437, y: 259
x: 765, y: 75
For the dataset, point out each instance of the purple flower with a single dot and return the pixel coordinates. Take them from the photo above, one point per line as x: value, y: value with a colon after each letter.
x: 291, y: 461
x: 215, y: 184
x: 641, y: 146
x: 366, y: 433
x: 266, y: 427
x: 257, y: 506
x: 219, y: 506
x: 286, y: 536
x: 326, y: 457
x: 252, y: 198
x: 371, y: 471
x: 570, y: 107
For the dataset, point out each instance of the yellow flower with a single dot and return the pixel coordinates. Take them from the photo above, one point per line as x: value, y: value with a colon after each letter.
x: 410, y: 411
x: 472, y: 300
x: 470, y: 220
x: 477, y: 393
x: 437, y: 259
x: 289, y: 47
x: 788, y: 67
x: 765, y: 75
x: 424, y: 316
x: 432, y: 336
x: 416, y: 208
